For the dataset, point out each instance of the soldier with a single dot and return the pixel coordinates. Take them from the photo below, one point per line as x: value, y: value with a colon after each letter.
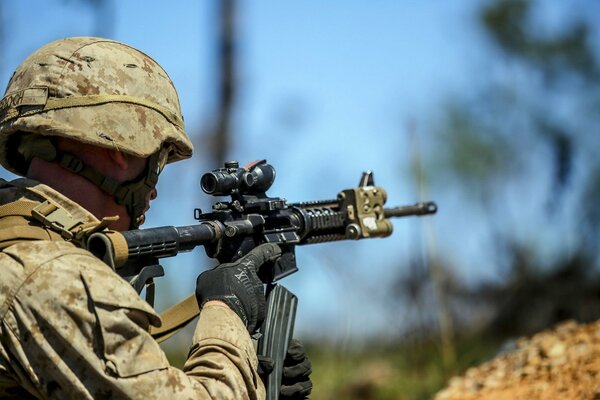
x: 91, y: 123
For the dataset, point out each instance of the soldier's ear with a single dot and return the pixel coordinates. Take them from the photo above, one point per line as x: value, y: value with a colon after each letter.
x: 118, y: 159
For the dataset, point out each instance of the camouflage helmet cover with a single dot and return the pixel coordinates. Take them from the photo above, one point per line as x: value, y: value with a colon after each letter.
x: 97, y: 91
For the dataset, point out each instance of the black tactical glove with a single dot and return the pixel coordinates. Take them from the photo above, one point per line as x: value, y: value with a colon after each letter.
x: 237, y: 285
x: 296, y: 383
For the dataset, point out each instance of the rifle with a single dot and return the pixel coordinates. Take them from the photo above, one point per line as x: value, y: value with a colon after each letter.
x: 235, y: 227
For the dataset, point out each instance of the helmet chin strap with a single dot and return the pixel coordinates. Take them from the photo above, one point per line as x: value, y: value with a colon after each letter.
x: 132, y: 194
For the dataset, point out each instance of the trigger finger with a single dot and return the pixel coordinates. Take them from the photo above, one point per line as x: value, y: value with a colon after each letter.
x: 264, y: 253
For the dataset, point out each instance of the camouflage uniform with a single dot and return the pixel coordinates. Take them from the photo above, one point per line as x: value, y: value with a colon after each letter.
x: 70, y: 327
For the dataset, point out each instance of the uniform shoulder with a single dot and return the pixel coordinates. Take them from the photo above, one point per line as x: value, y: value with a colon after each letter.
x: 54, y: 272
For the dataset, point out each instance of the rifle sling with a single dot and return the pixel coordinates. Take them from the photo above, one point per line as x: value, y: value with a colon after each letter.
x: 175, y: 318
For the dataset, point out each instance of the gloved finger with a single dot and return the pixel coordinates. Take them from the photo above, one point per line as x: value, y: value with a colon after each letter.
x: 266, y: 252
x: 295, y: 352
x: 298, y: 390
x: 265, y: 365
x: 295, y: 371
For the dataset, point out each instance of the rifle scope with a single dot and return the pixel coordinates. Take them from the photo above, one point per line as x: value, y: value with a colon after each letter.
x: 255, y: 178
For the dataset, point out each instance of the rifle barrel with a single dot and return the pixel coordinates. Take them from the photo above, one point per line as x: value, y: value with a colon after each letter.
x: 423, y: 208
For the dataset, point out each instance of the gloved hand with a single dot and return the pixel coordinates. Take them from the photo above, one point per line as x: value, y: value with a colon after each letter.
x: 295, y: 382
x: 237, y: 285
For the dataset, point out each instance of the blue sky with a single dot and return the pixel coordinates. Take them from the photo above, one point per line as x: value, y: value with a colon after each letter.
x: 327, y: 91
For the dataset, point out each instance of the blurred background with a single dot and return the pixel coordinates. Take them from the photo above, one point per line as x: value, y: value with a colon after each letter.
x: 488, y: 107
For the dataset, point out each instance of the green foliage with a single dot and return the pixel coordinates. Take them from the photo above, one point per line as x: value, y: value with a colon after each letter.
x: 508, y: 24
x: 590, y: 215
x: 399, y: 371
x: 532, y: 121
x: 374, y: 371
x: 520, y: 144
x: 472, y: 149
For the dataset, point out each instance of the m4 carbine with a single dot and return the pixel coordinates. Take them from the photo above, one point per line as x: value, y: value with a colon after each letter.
x: 235, y: 227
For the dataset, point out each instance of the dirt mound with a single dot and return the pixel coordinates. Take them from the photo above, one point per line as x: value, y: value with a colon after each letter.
x: 559, y: 363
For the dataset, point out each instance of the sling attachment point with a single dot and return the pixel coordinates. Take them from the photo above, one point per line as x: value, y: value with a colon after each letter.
x: 70, y: 229
x: 55, y: 218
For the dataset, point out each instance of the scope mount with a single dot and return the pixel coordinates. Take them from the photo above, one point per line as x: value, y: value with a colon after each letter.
x: 246, y: 185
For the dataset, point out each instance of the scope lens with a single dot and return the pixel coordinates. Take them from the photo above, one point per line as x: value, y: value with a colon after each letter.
x: 264, y: 175
x: 248, y: 179
x: 209, y: 183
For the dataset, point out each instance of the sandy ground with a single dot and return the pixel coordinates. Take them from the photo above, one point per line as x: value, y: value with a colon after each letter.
x: 559, y: 363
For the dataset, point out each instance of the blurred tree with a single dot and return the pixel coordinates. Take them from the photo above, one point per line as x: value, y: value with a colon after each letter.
x: 537, y: 128
x: 431, y: 263
x: 104, y: 16
x: 226, y: 79
x: 511, y: 27
x: 521, y: 149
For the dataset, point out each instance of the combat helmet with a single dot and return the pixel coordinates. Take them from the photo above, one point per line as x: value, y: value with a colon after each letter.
x: 96, y: 91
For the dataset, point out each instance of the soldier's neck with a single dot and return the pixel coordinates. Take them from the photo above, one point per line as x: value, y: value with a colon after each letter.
x: 80, y: 190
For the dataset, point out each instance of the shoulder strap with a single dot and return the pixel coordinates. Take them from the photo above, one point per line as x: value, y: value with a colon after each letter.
x: 20, y: 208
x: 15, y: 226
x: 55, y: 223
